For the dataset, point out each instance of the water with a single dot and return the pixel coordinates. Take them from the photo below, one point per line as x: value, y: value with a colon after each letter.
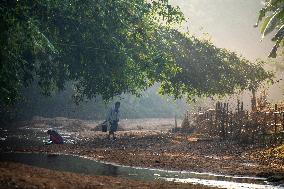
x: 82, y: 165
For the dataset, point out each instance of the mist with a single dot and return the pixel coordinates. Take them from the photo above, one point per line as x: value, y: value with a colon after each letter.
x: 142, y: 94
x: 230, y: 24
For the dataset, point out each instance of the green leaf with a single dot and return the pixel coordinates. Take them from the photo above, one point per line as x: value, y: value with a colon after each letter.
x: 268, y: 24
x: 279, y: 34
x: 273, y: 51
x: 260, y: 17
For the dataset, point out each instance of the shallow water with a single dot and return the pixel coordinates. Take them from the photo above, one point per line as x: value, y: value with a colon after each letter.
x: 82, y: 165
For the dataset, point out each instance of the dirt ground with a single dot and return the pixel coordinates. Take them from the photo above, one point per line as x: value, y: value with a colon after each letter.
x: 15, y: 175
x: 172, y: 151
x: 157, y: 149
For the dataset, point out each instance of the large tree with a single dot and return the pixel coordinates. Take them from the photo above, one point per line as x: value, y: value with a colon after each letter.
x: 103, y: 46
x: 110, y: 47
x: 205, y: 70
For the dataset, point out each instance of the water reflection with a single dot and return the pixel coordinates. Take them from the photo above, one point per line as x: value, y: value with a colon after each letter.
x: 86, y: 166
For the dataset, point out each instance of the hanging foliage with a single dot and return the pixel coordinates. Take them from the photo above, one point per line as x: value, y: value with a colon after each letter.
x: 109, y: 47
x: 271, y: 17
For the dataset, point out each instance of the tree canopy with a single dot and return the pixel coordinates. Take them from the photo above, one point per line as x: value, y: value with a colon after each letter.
x: 108, y: 47
x: 207, y: 70
x: 272, y: 18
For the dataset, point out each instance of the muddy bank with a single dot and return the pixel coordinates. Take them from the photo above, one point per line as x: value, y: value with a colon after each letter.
x: 15, y: 175
x: 151, y: 148
x: 168, y: 151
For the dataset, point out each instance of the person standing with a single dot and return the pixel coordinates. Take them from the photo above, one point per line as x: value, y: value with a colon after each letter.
x: 113, y: 119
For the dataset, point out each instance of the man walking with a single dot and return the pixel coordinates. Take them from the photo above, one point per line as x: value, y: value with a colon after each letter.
x: 113, y: 119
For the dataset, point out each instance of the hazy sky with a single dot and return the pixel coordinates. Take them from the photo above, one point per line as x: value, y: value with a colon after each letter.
x: 229, y: 23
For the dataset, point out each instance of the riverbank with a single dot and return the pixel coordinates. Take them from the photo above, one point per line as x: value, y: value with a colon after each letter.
x: 167, y: 151
x: 155, y: 149
x: 15, y: 175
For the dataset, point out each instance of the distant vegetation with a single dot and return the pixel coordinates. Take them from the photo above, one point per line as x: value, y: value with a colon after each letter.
x: 149, y: 105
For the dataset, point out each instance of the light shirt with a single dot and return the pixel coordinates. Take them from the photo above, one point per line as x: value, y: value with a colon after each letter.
x: 113, y: 115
